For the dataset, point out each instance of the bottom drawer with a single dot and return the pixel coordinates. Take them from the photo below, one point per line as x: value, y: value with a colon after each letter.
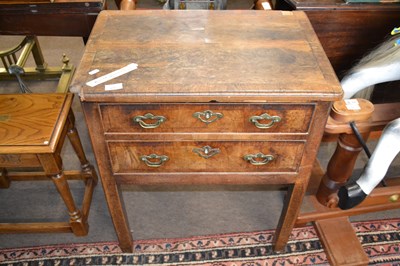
x: 205, y: 156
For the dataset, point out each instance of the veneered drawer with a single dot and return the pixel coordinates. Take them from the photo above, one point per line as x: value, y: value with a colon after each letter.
x: 157, y: 118
x: 205, y: 156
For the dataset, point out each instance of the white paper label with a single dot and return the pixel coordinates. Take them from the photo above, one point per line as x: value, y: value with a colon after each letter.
x: 352, y: 104
x: 94, y: 71
x: 112, y: 75
x: 113, y: 87
x: 266, y: 6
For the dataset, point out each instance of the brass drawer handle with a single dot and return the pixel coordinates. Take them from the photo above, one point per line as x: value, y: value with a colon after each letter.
x: 206, y: 152
x: 258, y: 159
x: 140, y: 119
x: 208, y: 116
x: 154, y: 160
x: 274, y: 119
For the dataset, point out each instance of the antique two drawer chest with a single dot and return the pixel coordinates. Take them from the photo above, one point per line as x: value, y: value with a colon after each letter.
x: 205, y: 97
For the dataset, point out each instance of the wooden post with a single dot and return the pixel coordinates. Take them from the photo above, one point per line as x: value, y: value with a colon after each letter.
x: 127, y: 5
x: 339, y: 169
x: 341, y: 165
x: 52, y: 165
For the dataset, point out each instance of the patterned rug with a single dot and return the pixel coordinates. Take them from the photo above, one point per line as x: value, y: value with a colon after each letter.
x: 380, y: 239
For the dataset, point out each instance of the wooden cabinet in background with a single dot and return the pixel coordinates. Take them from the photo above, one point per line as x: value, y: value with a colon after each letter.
x: 348, y: 31
x: 49, y: 18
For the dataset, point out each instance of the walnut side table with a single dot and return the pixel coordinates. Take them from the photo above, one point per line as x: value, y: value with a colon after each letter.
x: 219, y: 97
x: 33, y: 128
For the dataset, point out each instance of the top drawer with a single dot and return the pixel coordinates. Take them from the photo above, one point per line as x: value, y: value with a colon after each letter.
x: 213, y: 117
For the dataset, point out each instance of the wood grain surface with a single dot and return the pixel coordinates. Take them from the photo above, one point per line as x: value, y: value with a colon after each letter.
x: 294, y: 118
x: 29, y: 120
x: 220, y: 56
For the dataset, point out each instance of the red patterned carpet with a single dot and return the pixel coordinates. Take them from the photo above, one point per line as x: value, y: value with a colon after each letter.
x: 380, y: 239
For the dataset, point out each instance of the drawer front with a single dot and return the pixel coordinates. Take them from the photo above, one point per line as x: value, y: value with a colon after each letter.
x: 246, y: 118
x: 205, y: 156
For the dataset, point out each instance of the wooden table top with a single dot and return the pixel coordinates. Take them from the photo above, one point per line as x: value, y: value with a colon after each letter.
x: 32, y: 123
x: 206, y: 55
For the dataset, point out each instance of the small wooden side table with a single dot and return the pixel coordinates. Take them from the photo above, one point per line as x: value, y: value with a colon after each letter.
x: 33, y: 128
x: 207, y: 99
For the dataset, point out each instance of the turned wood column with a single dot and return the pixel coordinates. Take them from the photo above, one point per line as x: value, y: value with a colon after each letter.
x: 76, y: 143
x: 52, y: 165
x: 262, y: 5
x: 127, y: 5
x: 341, y: 165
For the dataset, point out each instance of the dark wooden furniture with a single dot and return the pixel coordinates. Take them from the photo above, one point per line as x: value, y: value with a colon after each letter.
x: 346, y: 31
x: 49, y: 18
x: 33, y: 128
x: 233, y: 97
x: 46, y: 18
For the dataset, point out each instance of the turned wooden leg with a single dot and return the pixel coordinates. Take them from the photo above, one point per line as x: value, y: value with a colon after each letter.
x: 75, y: 140
x: 87, y: 169
x: 4, y: 179
x: 341, y: 165
x: 76, y: 143
x: 127, y: 5
x: 340, y: 168
x: 52, y: 165
x: 78, y: 225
